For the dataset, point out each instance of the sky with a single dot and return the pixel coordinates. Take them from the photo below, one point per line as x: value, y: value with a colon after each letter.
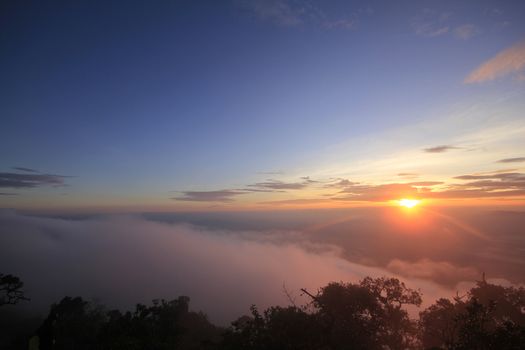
x: 241, y: 105
x: 231, y: 150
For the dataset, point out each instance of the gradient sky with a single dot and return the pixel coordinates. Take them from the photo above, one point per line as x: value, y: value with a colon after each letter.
x: 255, y: 104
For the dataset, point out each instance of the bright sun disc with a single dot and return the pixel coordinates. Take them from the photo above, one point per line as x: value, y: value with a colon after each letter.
x: 408, y: 203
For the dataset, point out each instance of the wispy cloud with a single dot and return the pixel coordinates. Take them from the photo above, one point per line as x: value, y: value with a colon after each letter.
x: 509, y: 61
x: 228, y: 195
x: 292, y: 13
x: 340, y: 183
x: 15, y: 180
x: 500, y: 176
x: 209, y: 196
x: 280, y: 185
x: 346, y: 23
x: 512, y: 160
x: 280, y: 12
x: 8, y: 194
x: 408, y: 175
x: 27, y: 170
x: 440, y: 149
x: 278, y: 172
x: 494, y: 185
x: 297, y: 201
x: 466, y: 31
x: 430, y: 23
x: 378, y: 193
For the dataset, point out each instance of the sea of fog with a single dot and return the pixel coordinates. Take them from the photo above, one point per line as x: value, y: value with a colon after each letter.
x: 227, y: 261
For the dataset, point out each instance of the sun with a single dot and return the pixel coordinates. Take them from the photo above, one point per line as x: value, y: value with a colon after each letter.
x: 408, y: 203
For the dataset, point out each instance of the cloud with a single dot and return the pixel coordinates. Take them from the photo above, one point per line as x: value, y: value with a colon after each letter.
x: 15, y: 180
x: 378, y: 193
x: 28, y: 170
x: 497, y: 185
x: 408, y: 175
x: 441, y: 271
x: 499, y: 176
x: 228, y: 195
x: 292, y: 13
x: 430, y: 23
x: 280, y: 185
x: 466, y: 31
x: 297, y: 201
x: 512, y: 160
x: 8, y: 194
x: 509, y: 61
x: 424, y: 183
x: 209, y: 196
x: 346, y: 23
x: 494, y: 185
x: 278, y: 172
x: 440, y: 149
x: 261, y: 190
x: 280, y: 12
x: 340, y: 183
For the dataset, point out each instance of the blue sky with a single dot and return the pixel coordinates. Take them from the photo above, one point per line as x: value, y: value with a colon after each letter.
x: 135, y: 101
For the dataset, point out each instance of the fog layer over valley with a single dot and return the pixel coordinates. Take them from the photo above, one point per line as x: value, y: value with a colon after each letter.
x: 224, y: 264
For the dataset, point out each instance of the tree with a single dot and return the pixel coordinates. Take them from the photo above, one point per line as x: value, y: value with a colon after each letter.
x: 280, y: 328
x: 74, y: 323
x: 11, y: 290
x: 368, y: 315
x: 487, y: 317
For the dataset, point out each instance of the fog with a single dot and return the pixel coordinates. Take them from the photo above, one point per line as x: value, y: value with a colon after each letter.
x: 225, y: 267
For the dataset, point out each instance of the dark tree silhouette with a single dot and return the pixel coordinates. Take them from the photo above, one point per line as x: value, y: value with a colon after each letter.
x: 371, y: 314
x: 368, y: 315
x: 488, y: 317
x: 277, y: 328
x: 11, y: 290
x: 74, y: 323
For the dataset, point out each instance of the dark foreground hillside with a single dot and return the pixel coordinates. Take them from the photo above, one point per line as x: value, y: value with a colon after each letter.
x: 370, y: 314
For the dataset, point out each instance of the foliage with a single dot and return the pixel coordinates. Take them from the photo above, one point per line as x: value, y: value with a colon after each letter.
x: 76, y: 324
x: 488, y: 317
x: 11, y: 290
x: 371, y: 314
x: 368, y: 315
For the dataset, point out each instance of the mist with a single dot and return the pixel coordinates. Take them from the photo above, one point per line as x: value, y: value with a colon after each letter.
x: 120, y: 260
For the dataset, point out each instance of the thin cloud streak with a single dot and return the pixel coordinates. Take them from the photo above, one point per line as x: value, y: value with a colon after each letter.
x: 209, y: 196
x: 497, y: 185
x: 15, y: 180
x: 511, y: 60
x: 280, y: 185
x: 512, y: 160
x: 408, y: 175
x: 27, y: 170
x: 440, y: 149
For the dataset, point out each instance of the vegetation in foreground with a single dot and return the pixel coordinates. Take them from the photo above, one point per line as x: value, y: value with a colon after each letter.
x: 370, y: 314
